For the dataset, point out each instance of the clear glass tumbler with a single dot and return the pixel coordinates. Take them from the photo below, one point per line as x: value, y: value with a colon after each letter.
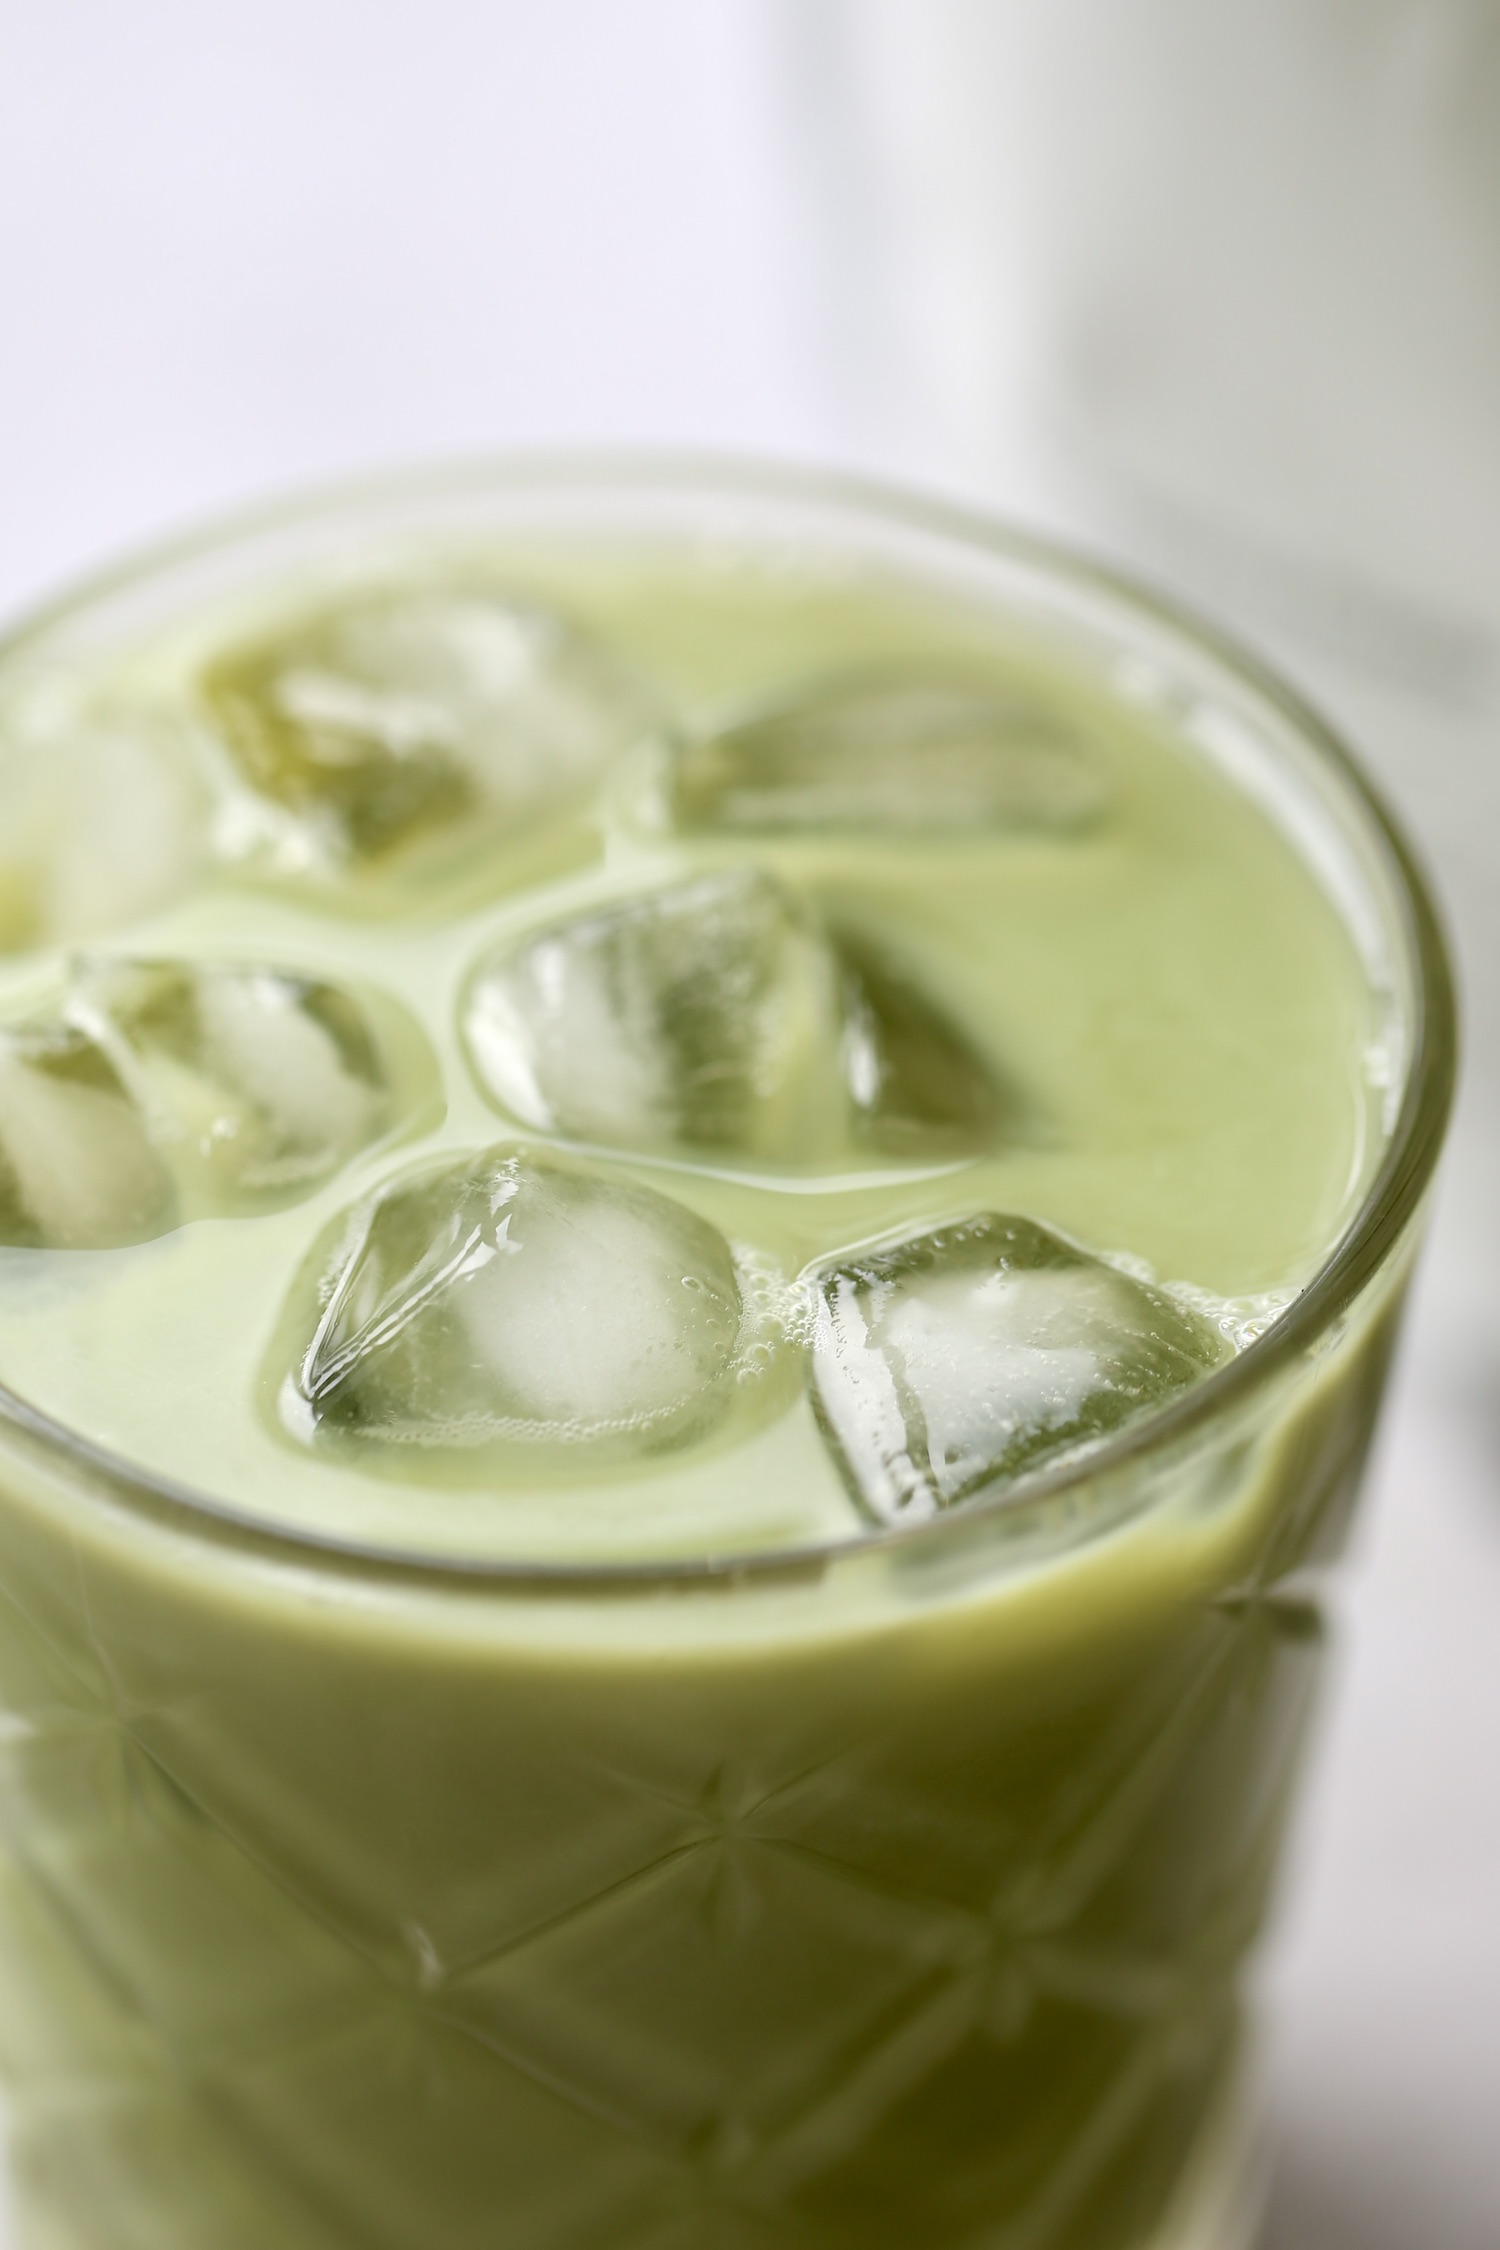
x: 895, y: 1893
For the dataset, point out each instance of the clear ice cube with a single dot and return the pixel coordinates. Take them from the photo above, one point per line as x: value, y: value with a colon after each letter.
x: 512, y: 1298
x: 158, y: 1091
x: 949, y: 1363
x: 78, y: 1170
x: 256, y: 1083
x: 399, y: 715
x: 719, y: 1015
x: 104, y: 817
x: 705, y: 1015
x: 909, y: 752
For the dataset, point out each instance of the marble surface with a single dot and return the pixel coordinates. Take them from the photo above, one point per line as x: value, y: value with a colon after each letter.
x: 252, y: 245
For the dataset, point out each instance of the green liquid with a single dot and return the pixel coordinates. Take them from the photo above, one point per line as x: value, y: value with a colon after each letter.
x: 1174, y: 1002
x: 894, y: 1898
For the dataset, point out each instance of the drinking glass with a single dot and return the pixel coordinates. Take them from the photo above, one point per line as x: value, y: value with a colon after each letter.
x: 893, y: 1892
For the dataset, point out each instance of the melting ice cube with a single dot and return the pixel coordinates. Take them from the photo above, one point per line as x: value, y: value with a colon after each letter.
x: 719, y: 1015
x: 707, y: 1014
x: 255, y: 1083
x: 162, y: 1090
x: 906, y: 752
x: 78, y: 1170
x: 398, y: 714
x: 103, y: 818
x: 510, y: 1297
x: 971, y: 1353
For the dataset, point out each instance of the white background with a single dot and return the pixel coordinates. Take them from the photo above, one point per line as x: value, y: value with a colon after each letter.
x: 251, y: 243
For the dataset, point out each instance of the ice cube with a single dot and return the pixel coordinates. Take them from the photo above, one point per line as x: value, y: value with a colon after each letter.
x: 955, y: 1360
x: 103, y: 818
x: 912, y: 752
x: 401, y: 714
x: 511, y: 1297
x: 705, y: 1015
x: 78, y: 1170
x: 158, y: 1091
x: 719, y: 1015
x: 256, y: 1083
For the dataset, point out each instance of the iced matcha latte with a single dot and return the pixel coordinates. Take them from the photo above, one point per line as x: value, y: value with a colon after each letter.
x: 703, y: 1184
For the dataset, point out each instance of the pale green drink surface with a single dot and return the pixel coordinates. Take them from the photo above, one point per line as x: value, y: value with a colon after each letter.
x: 1179, y: 1004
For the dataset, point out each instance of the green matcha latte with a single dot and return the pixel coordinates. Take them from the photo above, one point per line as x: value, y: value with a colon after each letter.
x: 702, y: 1185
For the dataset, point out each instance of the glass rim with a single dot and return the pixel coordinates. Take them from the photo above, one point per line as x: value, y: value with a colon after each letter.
x: 1388, y: 1206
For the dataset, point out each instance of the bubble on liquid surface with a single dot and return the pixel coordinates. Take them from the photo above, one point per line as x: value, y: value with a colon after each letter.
x: 719, y: 1016
x: 954, y: 1361
x: 104, y: 817
x: 906, y: 752
x: 158, y: 1091
x: 512, y: 1298
x: 406, y: 716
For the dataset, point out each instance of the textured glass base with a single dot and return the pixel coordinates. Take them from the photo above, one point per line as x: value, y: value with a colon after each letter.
x: 1220, y: 2206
